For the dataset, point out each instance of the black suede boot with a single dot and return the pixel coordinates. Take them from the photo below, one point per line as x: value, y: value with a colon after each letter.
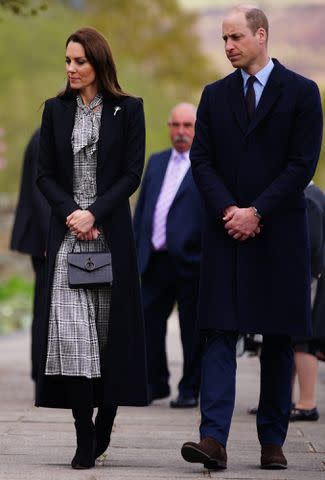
x: 86, y: 439
x: 103, y: 428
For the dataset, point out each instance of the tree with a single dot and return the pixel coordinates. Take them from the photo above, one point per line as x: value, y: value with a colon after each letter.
x: 157, y: 36
x: 23, y: 7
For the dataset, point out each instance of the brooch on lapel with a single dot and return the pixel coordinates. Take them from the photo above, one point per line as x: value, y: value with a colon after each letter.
x: 116, y: 109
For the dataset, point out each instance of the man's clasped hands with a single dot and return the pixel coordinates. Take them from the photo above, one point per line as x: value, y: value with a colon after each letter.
x: 241, y: 223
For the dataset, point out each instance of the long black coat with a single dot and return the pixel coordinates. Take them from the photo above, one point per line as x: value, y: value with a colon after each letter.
x: 29, y: 235
x: 261, y: 285
x: 121, y: 150
x: 31, y: 222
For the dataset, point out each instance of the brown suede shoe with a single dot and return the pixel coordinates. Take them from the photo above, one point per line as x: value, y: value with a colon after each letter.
x: 208, y: 451
x: 272, y: 457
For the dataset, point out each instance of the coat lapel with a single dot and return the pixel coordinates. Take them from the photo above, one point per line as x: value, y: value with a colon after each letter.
x: 66, y: 128
x: 183, y: 185
x: 236, y: 99
x: 109, y: 127
x: 271, y: 93
x: 158, y: 177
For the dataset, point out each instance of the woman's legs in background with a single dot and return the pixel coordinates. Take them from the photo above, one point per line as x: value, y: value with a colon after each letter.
x: 306, y: 366
x: 306, y: 370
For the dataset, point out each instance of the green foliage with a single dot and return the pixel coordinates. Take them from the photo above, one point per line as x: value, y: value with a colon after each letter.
x: 16, y: 296
x: 15, y: 286
x: 23, y: 7
x: 156, y: 36
x: 154, y: 46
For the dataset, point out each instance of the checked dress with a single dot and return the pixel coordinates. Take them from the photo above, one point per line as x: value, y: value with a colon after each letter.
x: 79, y: 318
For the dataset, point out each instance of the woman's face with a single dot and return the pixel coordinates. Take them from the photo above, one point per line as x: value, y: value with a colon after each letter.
x: 80, y: 72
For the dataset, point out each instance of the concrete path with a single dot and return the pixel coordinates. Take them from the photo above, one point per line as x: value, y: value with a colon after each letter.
x: 38, y: 444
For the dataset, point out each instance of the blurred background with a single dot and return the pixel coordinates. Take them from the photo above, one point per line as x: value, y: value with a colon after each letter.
x: 165, y: 51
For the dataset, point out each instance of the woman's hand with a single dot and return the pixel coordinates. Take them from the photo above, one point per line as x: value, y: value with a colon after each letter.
x: 80, y: 222
x: 91, y: 235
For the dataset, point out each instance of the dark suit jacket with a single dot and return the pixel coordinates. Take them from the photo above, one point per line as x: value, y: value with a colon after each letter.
x: 32, y: 216
x: 183, y: 222
x: 261, y: 285
x: 120, y: 160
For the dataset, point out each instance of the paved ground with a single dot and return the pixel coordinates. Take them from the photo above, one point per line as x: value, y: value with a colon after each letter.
x: 38, y: 444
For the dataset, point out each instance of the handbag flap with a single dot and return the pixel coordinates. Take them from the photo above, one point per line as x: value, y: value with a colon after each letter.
x: 89, y: 261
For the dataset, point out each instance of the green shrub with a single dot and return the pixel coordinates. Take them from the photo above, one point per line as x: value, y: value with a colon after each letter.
x: 16, y: 298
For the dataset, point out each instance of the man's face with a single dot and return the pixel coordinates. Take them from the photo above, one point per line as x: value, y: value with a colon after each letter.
x: 243, y: 48
x: 181, y: 128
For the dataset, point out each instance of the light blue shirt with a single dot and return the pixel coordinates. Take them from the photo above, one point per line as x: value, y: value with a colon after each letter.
x: 262, y: 77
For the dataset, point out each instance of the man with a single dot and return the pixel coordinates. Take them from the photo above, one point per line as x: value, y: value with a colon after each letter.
x: 167, y: 227
x: 29, y: 235
x: 257, y: 142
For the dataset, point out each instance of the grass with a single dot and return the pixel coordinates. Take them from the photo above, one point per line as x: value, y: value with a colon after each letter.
x: 16, y: 297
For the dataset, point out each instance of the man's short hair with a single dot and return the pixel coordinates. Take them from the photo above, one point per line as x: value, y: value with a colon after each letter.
x: 256, y: 18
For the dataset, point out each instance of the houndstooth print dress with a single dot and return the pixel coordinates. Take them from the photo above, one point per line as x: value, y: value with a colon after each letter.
x: 79, y: 318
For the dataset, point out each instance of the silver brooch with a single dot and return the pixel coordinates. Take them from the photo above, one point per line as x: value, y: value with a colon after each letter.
x: 116, y: 109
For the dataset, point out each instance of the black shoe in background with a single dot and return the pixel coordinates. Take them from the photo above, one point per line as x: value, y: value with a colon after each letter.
x: 303, y: 415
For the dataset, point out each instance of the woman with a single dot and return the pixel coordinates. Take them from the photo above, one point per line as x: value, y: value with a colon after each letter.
x: 91, y: 158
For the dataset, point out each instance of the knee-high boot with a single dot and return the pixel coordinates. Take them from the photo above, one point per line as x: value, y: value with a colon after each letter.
x: 103, y: 428
x: 86, y: 439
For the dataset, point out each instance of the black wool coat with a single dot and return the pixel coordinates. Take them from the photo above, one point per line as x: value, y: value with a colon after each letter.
x: 261, y: 285
x: 29, y: 235
x: 32, y: 215
x: 121, y: 151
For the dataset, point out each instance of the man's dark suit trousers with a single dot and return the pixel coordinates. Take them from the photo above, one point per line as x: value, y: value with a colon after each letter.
x: 161, y: 287
x: 218, y: 383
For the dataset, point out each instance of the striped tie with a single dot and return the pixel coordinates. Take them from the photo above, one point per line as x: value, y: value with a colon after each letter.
x: 166, y: 196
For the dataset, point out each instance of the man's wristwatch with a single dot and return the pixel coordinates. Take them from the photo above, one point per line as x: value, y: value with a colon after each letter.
x: 256, y: 212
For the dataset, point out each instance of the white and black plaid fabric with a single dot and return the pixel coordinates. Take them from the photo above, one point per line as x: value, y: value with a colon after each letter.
x: 79, y: 318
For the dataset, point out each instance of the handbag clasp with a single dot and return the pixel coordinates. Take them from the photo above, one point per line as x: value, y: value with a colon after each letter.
x: 89, y: 265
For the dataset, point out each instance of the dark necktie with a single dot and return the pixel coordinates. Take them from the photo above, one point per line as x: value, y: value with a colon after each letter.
x: 250, y: 98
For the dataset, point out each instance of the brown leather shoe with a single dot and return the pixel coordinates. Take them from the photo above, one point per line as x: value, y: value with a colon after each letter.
x: 272, y: 457
x: 208, y: 451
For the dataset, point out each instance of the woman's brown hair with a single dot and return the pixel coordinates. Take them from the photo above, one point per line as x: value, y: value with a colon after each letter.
x: 99, y: 55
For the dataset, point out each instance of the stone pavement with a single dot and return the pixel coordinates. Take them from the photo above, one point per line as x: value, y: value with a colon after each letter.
x: 38, y: 444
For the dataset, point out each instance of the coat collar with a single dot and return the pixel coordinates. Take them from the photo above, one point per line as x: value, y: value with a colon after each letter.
x: 110, y: 124
x: 271, y: 92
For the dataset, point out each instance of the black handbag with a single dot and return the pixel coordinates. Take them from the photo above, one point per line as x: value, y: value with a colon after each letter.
x: 89, y: 269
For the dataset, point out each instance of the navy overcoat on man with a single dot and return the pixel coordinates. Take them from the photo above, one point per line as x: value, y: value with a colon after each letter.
x: 121, y: 150
x: 261, y: 285
x: 184, y: 220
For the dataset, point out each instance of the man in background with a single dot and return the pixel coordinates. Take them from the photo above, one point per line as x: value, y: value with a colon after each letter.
x: 167, y: 227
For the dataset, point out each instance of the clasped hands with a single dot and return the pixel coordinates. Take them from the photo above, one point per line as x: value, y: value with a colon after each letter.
x: 81, y: 224
x: 241, y: 223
